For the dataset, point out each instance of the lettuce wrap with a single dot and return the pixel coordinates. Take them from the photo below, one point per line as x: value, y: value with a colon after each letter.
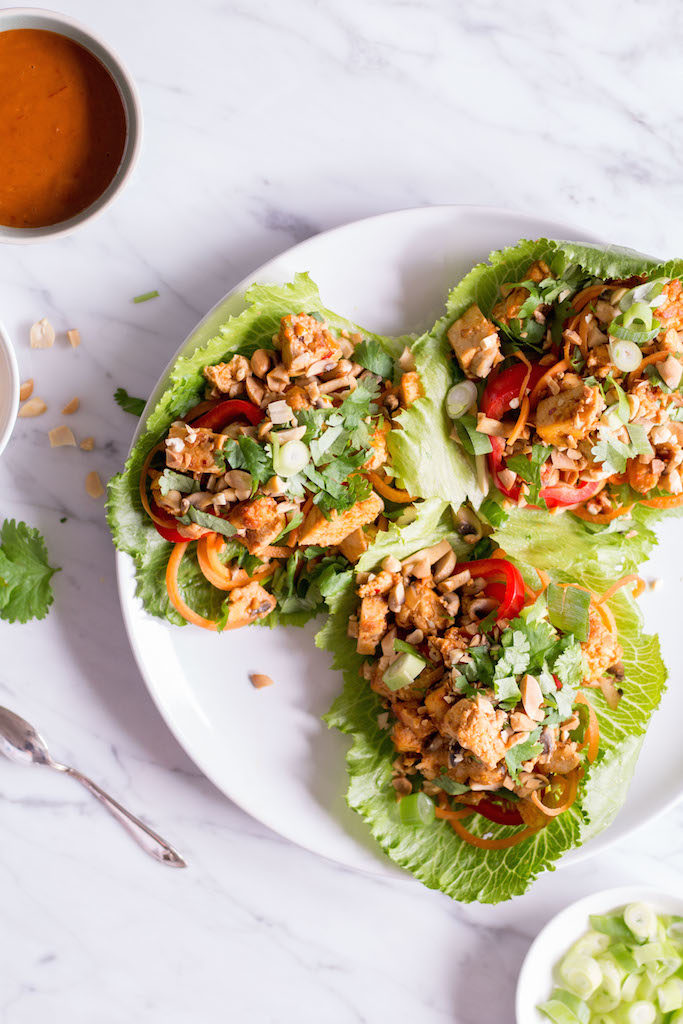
x: 433, y: 852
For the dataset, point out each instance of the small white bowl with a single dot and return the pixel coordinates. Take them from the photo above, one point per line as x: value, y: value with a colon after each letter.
x: 51, y: 21
x: 9, y: 387
x: 535, y: 981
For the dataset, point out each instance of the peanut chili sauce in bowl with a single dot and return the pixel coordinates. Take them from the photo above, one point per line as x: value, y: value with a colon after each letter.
x: 69, y: 125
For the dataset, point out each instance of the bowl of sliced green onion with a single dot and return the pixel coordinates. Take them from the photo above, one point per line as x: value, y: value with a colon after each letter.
x: 615, y: 957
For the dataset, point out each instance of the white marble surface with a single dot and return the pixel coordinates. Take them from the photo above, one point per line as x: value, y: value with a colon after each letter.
x: 264, y: 124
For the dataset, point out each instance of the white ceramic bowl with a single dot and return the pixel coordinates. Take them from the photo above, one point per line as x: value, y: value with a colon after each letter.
x: 9, y: 387
x: 51, y: 21
x: 535, y: 981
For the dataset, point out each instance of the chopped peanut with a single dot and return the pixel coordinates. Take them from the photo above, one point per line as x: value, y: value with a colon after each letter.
x: 74, y: 337
x: 93, y: 484
x: 26, y: 390
x: 34, y: 407
x: 72, y: 406
x: 61, y: 436
x: 259, y: 681
x: 42, y: 334
x: 87, y: 444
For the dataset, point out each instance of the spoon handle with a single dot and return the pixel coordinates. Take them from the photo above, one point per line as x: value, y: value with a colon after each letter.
x: 149, y: 840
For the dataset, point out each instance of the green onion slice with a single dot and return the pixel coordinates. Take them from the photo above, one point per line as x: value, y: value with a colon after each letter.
x: 417, y: 809
x: 146, y: 296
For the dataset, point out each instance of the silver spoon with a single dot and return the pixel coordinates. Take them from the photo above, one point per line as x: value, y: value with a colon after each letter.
x: 20, y: 742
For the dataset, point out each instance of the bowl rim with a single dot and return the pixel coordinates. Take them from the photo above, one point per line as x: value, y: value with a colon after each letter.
x: 63, y: 24
x: 601, y: 901
x: 7, y: 426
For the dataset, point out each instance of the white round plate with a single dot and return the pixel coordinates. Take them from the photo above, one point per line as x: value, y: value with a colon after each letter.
x: 268, y: 749
x: 9, y: 387
x: 535, y: 982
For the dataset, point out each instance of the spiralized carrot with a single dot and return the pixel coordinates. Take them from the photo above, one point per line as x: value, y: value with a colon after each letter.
x: 570, y: 788
x: 607, y: 616
x: 552, y: 371
x: 521, y: 421
x: 191, y: 532
x: 631, y: 578
x: 525, y: 383
x: 174, y: 594
x: 175, y: 597
x: 587, y: 295
x: 479, y: 841
x: 600, y: 518
x: 665, y: 501
x: 583, y: 335
x: 386, y: 490
x: 218, y: 574
x: 591, y: 740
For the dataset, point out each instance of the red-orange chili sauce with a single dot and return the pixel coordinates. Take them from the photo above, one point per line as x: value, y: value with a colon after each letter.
x: 62, y: 128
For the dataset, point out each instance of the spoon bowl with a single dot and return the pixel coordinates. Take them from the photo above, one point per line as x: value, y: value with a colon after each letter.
x: 20, y: 742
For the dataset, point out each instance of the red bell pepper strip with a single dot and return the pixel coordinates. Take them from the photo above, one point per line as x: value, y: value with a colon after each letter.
x: 231, y: 409
x: 501, y: 389
x: 514, y: 595
x: 169, y: 529
x: 501, y: 814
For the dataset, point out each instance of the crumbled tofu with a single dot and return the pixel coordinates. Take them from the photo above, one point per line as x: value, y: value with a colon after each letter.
x: 475, y: 341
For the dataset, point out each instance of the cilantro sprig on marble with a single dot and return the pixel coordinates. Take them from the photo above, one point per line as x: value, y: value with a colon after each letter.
x: 25, y: 574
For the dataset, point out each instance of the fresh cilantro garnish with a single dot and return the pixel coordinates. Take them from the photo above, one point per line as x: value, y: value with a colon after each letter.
x: 521, y: 752
x: 195, y: 515
x: 471, y: 439
x: 172, y: 481
x: 25, y: 591
x: 507, y: 691
x: 402, y: 647
x: 448, y: 785
x: 613, y: 454
x: 371, y: 356
x: 516, y: 653
x: 296, y: 520
x: 579, y: 732
x: 492, y: 511
x: 640, y: 444
x: 569, y: 665
x: 529, y: 468
x: 129, y: 404
x: 622, y: 410
x: 257, y: 461
x: 481, y: 668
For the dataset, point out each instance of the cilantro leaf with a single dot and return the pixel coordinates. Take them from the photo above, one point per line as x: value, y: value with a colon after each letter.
x: 568, y: 609
x: 516, y: 654
x: 612, y: 453
x: 257, y: 461
x: 215, y: 523
x: 507, y: 691
x: 25, y: 591
x: 172, y: 481
x: 569, y: 665
x: 448, y: 785
x: 529, y: 468
x: 371, y: 356
x: 521, y: 752
x: 129, y: 404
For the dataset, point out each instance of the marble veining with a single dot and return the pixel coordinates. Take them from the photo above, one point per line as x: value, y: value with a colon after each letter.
x: 263, y: 125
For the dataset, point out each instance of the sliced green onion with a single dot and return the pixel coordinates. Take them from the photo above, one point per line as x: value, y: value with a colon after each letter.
x: 290, y: 458
x: 612, y: 978
x: 602, y: 1002
x: 146, y: 296
x: 460, y: 398
x: 642, y: 1012
x: 568, y: 611
x: 581, y: 974
x: 403, y: 671
x: 592, y: 943
x: 638, y: 313
x: 471, y: 439
x: 401, y: 647
x: 629, y: 989
x: 654, y: 951
x: 633, y: 333
x: 579, y: 1008
x: 557, y: 1012
x: 670, y: 995
x: 641, y: 919
x: 625, y: 355
x: 416, y: 809
x: 649, y: 292
x: 612, y: 925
